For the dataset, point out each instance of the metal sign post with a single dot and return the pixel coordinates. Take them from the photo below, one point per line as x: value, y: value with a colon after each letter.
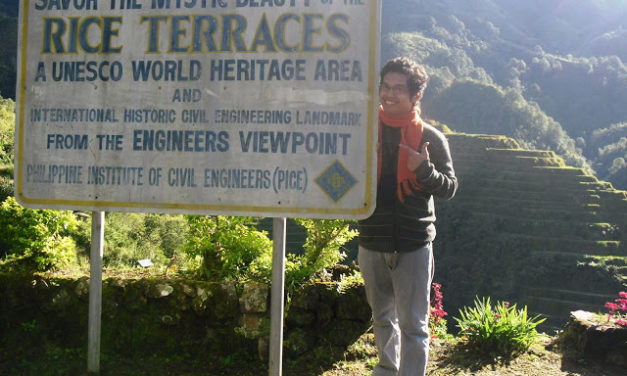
x: 95, y: 292
x: 277, y: 303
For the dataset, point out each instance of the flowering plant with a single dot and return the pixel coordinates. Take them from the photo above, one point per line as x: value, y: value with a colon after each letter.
x: 615, y: 307
x: 437, y: 323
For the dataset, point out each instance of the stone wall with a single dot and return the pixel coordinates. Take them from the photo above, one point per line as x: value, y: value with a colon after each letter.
x: 152, y: 316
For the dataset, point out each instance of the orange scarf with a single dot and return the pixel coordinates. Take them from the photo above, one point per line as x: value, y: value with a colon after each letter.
x: 411, y: 135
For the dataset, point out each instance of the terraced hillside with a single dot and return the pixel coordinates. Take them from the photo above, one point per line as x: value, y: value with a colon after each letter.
x: 526, y: 228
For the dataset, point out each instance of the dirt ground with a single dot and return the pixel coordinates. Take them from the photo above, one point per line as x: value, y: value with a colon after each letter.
x: 546, y: 358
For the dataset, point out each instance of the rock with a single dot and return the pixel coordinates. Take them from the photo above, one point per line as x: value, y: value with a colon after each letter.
x: 61, y: 299
x: 325, y: 314
x: 299, y: 341
x: 200, y: 303
x: 297, y: 317
x: 354, y: 306
x: 263, y: 348
x: 170, y: 320
x: 82, y: 287
x: 306, y: 299
x: 593, y: 339
x: 254, y: 298
x: 160, y: 290
x: 134, y: 298
x: 252, y: 324
x: 187, y: 290
x: 226, y: 302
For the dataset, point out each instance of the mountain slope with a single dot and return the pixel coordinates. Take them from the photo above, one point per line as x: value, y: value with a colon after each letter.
x: 527, y: 228
x: 536, y: 49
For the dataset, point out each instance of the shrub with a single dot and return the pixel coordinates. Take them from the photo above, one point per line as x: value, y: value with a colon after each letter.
x: 37, y: 240
x: 230, y: 248
x: 322, y: 249
x: 500, y: 331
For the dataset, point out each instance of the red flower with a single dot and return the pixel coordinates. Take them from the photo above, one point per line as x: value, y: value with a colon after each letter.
x: 612, y: 307
x: 621, y: 322
x: 623, y: 294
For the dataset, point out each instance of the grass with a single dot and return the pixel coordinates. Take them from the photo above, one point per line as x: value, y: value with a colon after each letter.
x: 547, y: 357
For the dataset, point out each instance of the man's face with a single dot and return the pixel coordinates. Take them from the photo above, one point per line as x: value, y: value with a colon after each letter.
x: 394, y: 94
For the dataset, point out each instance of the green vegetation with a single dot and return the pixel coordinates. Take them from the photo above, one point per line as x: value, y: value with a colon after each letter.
x: 489, y: 109
x: 232, y: 248
x: 36, y: 240
x: 203, y: 247
x: 7, y: 140
x: 229, y: 248
x: 608, y: 149
x: 134, y: 236
x: 504, y: 68
x: 7, y: 136
x: 322, y: 249
x: 502, y: 330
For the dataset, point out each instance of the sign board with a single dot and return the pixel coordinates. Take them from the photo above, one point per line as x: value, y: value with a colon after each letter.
x: 240, y: 107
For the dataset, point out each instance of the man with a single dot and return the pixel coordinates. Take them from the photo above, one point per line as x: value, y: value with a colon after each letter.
x: 395, y: 243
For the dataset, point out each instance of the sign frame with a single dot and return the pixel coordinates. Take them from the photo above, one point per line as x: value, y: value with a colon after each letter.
x: 332, y: 208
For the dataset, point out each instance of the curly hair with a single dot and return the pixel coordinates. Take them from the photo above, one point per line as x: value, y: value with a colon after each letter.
x: 417, y: 77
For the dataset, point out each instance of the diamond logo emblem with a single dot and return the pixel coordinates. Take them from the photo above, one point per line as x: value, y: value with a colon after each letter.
x: 335, y: 181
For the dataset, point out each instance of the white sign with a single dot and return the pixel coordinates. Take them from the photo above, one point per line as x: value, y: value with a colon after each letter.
x: 241, y: 107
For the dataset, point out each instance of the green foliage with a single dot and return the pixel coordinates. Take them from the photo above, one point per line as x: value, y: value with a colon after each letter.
x: 36, y: 240
x: 6, y: 182
x: 349, y: 281
x: 7, y: 125
x: 473, y: 106
x: 230, y: 248
x: 545, y: 100
x: 502, y: 330
x: 325, y: 237
x: 608, y: 149
x: 133, y: 236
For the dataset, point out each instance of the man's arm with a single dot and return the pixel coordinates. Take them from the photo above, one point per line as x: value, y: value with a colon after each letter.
x: 433, y: 166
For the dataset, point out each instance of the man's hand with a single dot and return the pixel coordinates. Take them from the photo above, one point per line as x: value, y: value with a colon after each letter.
x: 415, y: 158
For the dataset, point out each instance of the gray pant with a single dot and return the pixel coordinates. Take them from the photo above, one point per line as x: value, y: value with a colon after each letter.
x: 397, y: 288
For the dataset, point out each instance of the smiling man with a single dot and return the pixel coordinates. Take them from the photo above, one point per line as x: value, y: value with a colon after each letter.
x: 395, y: 243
